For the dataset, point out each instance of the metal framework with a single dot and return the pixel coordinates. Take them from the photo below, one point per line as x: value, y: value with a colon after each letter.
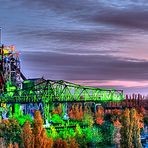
x: 9, y: 67
x: 49, y: 91
x: 46, y: 91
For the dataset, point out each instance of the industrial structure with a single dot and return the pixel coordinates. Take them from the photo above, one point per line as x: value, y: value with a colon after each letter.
x: 16, y: 89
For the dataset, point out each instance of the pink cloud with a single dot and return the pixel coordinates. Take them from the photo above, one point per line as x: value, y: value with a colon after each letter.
x: 97, y: 83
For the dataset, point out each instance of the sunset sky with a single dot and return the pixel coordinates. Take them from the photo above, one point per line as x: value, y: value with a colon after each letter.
x: 101, y: 43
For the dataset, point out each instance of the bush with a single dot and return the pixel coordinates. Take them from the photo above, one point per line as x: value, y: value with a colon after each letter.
x: 10, y: 131
x: 88, y: 119
x: 107, y: 129
x: 57, y: 119
x: 23, y: 118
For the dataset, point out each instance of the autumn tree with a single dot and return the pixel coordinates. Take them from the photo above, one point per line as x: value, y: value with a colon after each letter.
x: 73, y: 143
x: 117, y: 123
x: 50, y: 142
x: 125, y: 130
x: 10, y: 145
x: 76, y: 112
x: 43, y: 139
x: 57, y: 110
x: 59, y: 143
x: 40, y: 137
x: 130, y: 130
x: 38, y: 127
x: 99, y: 115
x: 27, y: 135
x: 135, y: 120
x: 15, y: 145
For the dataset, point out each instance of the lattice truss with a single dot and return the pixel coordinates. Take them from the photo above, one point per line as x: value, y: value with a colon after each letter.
x: 60, y: 91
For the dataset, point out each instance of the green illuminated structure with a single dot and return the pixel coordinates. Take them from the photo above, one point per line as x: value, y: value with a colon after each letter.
x: 49, y: 91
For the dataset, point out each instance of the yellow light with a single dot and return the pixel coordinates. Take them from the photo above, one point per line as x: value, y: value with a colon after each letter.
x: 6, y: 51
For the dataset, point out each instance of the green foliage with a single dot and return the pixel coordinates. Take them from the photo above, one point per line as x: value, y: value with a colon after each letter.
x: 71, y: 133
x: 79, y: 130
x: 52, y: 133
x: 88, y: 119
x: 97, y: 136
x: 107, y: 129
x: 23, y: 118
x: 57, y: 119
x: 93, y: 135
x: 47, y: 113
x: 88, y: 133
x: 67, y: 134
x: 10, y: 130
x: 18, y: 115
x: 80, y: 137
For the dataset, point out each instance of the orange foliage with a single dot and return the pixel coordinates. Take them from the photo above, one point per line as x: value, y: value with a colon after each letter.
x: 140, y: 118
x: 59, y: 143
x: 50, y: 142
x: 117, y: 123
x: 87, y: 110
x: 15, y: 145
x: 43, y: 139
x: 58, y: 110
x: 40, y: 137
x: 76, y: 112
x: 116, y: 112
x: 99, y: 116
x: 10, y: 145
x: 54, y: 111
x: 99, y: 121
x: 27, y: 135
x: 73, y: 144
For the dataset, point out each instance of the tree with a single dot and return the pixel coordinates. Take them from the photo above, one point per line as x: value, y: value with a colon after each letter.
x: 38, y: 127
x: 58, y: 110
x: 50, y: 142
x: 125, y: 136
x: 73, y: 143
x: 53, y: 132
x: 10, y: 131
x: 97, y: 135
x: 107, y: 130
x: 27, y: 135
x: 88, y: 119
x: 130, y: 130
x: 80, y: 136
x: 57, y: 119
x: 40, y: 137
x: 115, y: 117
x: 76, y: 112
x: 59, y: 143
x: 43, y: 139
x: 99, y: 116
x: 117, y: 136
x: 136, y: 129
x: 116, y: 123
x: 10, y: 145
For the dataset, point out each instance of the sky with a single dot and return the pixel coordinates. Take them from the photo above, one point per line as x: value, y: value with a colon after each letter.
x: 100, y: 43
